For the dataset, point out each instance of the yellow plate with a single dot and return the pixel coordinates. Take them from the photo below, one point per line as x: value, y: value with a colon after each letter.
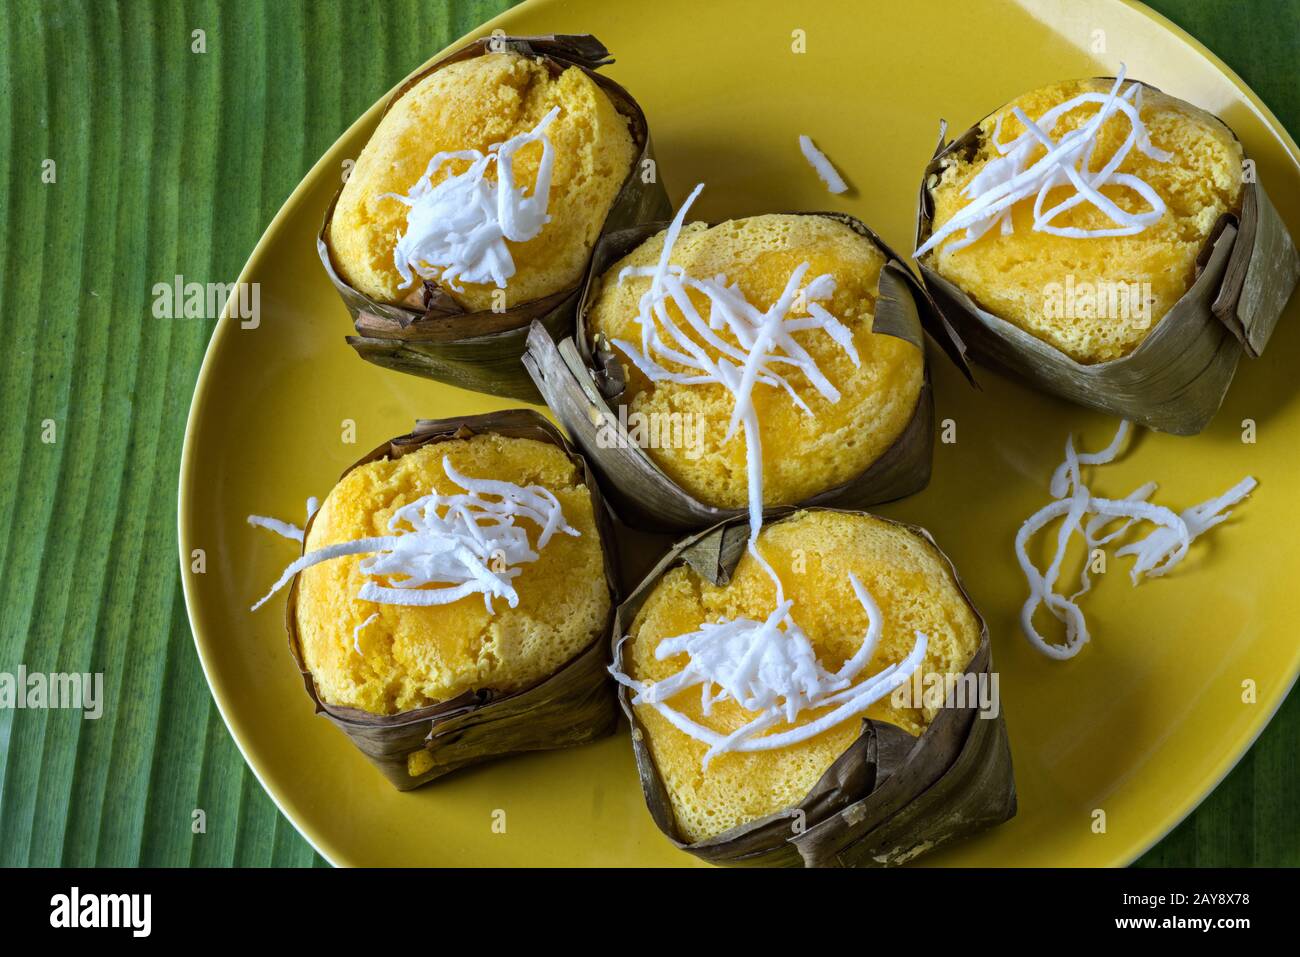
x: 1141, y: 725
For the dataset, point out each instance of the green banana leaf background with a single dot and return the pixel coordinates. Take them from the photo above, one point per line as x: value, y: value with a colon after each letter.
x: 171, y: 163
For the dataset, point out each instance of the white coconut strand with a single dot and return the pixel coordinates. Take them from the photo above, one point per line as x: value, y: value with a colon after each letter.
x: 769, y: 668
x: 851, y: 703
x: 1074, y: 502
x: 1042, y: 586
x: 533, y: 501
x: 1094, y: 539
x: 360, y: 546
x: 1059, y: 486
x: 466, y: 542
x: 1005, y: 181
x: 822, y: 166
x: 1156, y: 554
x: 1018, y: 151
x: 356, y: 632
x: 1129, y: 222
x: 456, y: 231
x: 1160, y: 550
x: 1008, y: 174
x: 284, y: 529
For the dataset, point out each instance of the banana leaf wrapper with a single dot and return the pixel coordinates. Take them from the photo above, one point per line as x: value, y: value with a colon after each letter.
x: 1177, y: 377
x: 432, y: 335
x: 888, y: 799
x: 584, y: 388
x: 573, y: 706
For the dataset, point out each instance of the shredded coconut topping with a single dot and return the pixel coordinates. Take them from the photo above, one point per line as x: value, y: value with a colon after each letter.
x: 467, y: 543
x: 1066, y: 162
x: 769, y: 668
x: 763, y: 342
x: 823, y: 166
x: 1156, y: 554
x: 457, y: 231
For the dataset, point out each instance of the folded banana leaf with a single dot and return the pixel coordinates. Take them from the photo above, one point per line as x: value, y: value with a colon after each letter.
x: 887, y: 799
x: 584, y: 388
x: 1176, y: 379
x: 572, y: 706
x: 432, y: 335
